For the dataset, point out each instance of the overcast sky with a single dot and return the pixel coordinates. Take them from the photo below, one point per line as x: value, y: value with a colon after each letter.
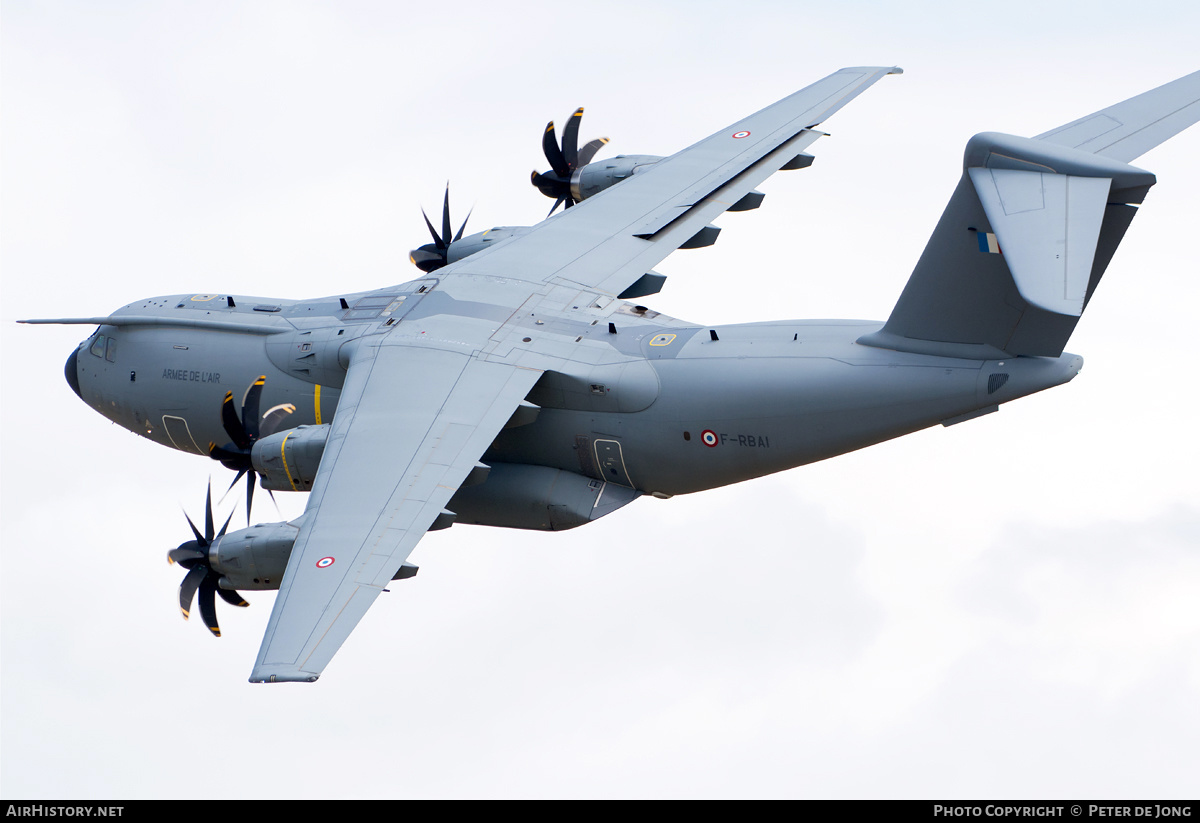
x: 1005, y: 608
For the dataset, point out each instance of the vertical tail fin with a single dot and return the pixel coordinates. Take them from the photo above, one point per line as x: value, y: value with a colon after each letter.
x: 1030, y: 230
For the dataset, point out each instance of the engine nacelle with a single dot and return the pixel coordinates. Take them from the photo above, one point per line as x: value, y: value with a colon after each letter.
x: 479, y: 241
x: 518, y: 496
x: 288, y: 460
x: 596, y: 177
x: 254, y: 558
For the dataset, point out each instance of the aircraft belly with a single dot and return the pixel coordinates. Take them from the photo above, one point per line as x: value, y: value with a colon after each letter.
x: 720, y: 420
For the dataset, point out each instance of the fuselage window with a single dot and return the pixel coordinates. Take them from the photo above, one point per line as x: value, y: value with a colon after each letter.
x: 97, y: 347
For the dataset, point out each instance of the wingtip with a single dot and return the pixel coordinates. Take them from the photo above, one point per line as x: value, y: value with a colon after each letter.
x: 297, y: 677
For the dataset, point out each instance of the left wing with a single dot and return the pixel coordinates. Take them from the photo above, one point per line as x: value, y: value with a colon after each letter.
x: 410, y: 425
x: 613, y: 238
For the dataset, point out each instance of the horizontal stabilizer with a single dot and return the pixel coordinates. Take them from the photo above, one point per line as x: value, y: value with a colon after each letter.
x: 1131, y: 128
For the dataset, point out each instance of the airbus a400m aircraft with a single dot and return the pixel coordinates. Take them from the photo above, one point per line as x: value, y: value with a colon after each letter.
x: 519, y: 383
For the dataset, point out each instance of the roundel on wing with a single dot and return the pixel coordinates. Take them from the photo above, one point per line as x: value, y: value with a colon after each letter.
x: 738, y: 135
x: 324, y: 562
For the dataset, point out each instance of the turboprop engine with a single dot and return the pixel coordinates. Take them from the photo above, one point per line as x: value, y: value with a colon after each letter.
x: 573, y: 176
x: 220, y: 563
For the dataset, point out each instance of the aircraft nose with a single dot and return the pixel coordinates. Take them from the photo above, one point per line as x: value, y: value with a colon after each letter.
x: 72, y: 373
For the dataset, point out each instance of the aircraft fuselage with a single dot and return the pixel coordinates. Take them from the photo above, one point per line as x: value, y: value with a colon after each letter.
x: 654, y: 404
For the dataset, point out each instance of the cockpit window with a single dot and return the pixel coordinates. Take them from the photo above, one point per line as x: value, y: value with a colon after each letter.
x: 110, y: 350
x: 97, y: 347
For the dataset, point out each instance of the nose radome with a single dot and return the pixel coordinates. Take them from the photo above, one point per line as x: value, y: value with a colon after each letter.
x: 72, y: 373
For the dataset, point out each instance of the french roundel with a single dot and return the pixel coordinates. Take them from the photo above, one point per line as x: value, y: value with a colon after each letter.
x: 738, y: 135
x: 709, y: 438
x: 324, y: 562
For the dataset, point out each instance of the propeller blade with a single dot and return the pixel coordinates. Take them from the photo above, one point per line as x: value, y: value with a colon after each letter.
x: 446, y: 218
x: 463, y: 227
x: 250, y: 478
x: 232, y: 598
x: 250, y: 409
x: 427, y: 261
x: 199, y: 537
x: 546, y: 184
x: 589, y: 151
x: 183, y: 555
x: 437, y: 240
x: 209, y: 531
x: 231, y: 485
x: 553, y: 153
x: 274, y: 419
x: 221, y: 533
x: 570, y: 146
x: 228, y: 458
x: 233, y: 424
x: 208, y: 604
x: 249, y: 494
x: 187, y: 589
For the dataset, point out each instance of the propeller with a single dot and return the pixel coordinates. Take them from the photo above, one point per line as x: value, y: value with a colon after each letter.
x: 243, y: 431
x: 194, y: 556
x: 564, y: 161
x: 432, y: 256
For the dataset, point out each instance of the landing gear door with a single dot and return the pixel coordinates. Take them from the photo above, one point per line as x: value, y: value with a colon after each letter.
x: 611, y: 462
x: 180, y: 435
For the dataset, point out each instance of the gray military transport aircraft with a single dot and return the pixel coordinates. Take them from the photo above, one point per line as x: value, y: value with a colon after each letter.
x: 516, y: 383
